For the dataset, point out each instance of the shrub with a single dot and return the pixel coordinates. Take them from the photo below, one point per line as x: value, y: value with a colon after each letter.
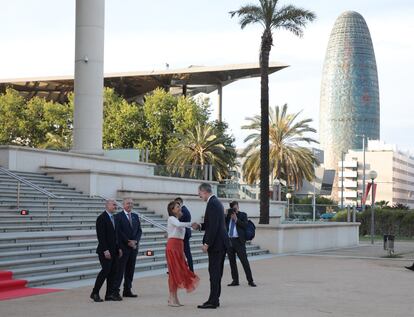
x: 387, y: 221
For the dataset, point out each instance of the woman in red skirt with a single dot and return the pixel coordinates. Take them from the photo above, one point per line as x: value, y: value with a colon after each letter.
x: 180, y: 275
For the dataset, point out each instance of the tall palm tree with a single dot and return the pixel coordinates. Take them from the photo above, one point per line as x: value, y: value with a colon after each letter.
x: 289, y: 160
x: 271, y: 17
x: 202, y: 146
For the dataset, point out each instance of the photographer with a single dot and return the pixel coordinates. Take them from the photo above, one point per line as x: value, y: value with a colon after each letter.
x: 236, y: 223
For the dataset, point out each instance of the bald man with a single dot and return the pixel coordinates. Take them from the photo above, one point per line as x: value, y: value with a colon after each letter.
x: 108, y: 253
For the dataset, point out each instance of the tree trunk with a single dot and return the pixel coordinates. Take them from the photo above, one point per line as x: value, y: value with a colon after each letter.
x: 264, y: 129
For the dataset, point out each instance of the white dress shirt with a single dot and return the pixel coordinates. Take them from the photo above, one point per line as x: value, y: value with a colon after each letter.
x: 176, y: 228
x: 233, y: 234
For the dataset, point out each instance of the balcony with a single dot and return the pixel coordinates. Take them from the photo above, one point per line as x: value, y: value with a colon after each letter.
x: 348, y: 184
x: 349, y: 194
x: 348, y: 174
x: 348, y: 164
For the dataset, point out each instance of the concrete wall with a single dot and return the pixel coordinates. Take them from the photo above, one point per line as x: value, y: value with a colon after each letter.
x: 291, y: 238
x: 31, y: 160
x: 158, y: 203
x: 94, y: 182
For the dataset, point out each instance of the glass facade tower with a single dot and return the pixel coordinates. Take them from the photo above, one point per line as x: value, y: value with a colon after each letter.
x: 349, y: 105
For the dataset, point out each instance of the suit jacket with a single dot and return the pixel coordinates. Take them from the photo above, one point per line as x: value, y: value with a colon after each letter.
x: 215, y: 235
x: 106, y: 234
x: 186, y: 217
x: 127, y: 232
x: 241, y: 224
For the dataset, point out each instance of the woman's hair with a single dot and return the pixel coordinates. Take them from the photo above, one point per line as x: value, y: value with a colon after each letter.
x: 171, y: 206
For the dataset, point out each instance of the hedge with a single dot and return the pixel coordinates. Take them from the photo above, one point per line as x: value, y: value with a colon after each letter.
x: 397, y: 222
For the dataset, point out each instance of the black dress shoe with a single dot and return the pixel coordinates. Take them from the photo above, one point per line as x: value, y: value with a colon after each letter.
x: 129, y: 294
x: 207, y: 306
x: 96, y: 298
x: 113, y: 297
x: 252, y: 284
x: 411, y: 268
x: 234, y: 284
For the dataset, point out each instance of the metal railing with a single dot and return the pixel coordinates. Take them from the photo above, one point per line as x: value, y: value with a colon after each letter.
x: 21, y: 180
x: 304, y: 212
x: 142, y: 217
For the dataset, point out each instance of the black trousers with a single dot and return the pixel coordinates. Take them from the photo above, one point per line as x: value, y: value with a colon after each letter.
x: 108, y: 273
x: 239, y: 248
x: 215, y: 270
x: 126, y: 270
x: 188, y: 255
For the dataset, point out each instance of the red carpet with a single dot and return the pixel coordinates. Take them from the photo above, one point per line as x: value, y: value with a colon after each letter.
x: 10, y: 288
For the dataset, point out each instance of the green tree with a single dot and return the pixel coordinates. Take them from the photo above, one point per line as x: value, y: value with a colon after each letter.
x: 12, y: 120
x: 201, y: 146
x: 124, y: 122
x: 288, y: 160
x: 36, y: 122
x: 166, y: 116
x: 270, y: 17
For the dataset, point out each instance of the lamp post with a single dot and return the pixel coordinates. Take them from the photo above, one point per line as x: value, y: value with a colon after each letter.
x: 372, y: 175
x: 363, y: 169
x: 288, y: 196
x: 314, y: 202
x: 276, y: 189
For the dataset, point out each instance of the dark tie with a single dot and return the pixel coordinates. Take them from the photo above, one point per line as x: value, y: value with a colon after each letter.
x: 232, y: 225
x: 130, y: 219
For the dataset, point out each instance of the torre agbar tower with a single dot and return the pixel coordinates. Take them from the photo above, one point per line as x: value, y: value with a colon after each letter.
x: 349, y: 105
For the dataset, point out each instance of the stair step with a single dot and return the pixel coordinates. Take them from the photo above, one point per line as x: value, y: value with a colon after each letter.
x: 91, y: 273
x: 61, y: 248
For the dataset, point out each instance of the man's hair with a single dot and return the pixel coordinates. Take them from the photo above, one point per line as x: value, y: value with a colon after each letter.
x: 234, y: 203
x: 205, y: 187
x: 171, y: 206
x: 109, y: 200
x: 126, y: 199
x: 179, y: 199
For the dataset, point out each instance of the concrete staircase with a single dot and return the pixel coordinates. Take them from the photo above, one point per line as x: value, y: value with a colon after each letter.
x: 61, y: 248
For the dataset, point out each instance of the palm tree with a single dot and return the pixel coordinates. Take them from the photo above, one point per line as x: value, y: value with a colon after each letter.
x: 289, y: 161
x: 204, y: 145
x: 271, y: 17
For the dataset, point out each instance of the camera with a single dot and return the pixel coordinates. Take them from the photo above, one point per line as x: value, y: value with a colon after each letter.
x: 231, y: 211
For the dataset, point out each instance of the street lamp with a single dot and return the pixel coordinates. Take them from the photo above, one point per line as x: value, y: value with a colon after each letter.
x: 288, y: 196
x: 276, y: 189
x: 372, y: 175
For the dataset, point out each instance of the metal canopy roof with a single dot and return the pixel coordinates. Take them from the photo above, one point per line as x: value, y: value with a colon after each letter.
x: 132, y: 85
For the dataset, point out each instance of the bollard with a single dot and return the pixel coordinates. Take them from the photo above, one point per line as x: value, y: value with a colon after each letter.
x: 348, y: 213
x: 354, y: 214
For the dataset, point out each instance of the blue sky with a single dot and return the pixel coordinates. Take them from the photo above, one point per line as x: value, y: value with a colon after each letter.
x: 37, y: 39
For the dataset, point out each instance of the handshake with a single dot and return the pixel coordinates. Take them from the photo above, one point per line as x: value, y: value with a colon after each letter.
x: 195, y: 226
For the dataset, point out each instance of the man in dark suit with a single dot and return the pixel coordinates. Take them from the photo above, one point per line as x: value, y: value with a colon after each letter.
x: 186, y: 217
x: 108, y: 253
x: 129, y: 233
x: 215, y: 243
x: 236, y: 224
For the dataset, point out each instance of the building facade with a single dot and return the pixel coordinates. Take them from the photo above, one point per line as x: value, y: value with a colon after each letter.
x: 349, y: 102
x: 395, y: 168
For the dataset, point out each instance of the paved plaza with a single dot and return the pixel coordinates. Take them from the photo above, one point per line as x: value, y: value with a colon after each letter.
x: 349, y: 282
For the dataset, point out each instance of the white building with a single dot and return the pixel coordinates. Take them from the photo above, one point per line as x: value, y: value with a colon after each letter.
x: 395, y: 181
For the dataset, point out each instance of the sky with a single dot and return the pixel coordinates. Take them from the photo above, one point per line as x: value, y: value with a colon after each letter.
x: 38, y: 39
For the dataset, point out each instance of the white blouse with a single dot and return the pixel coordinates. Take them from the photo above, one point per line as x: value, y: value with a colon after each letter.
x: 176, y: 228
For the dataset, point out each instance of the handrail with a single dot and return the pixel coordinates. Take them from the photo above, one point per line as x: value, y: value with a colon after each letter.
x: 144, y: 218
x: 20, y: 179
x: 28, y: 183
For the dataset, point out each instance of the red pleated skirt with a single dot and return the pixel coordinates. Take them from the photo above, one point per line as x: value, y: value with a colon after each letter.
x: 179, y: 275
